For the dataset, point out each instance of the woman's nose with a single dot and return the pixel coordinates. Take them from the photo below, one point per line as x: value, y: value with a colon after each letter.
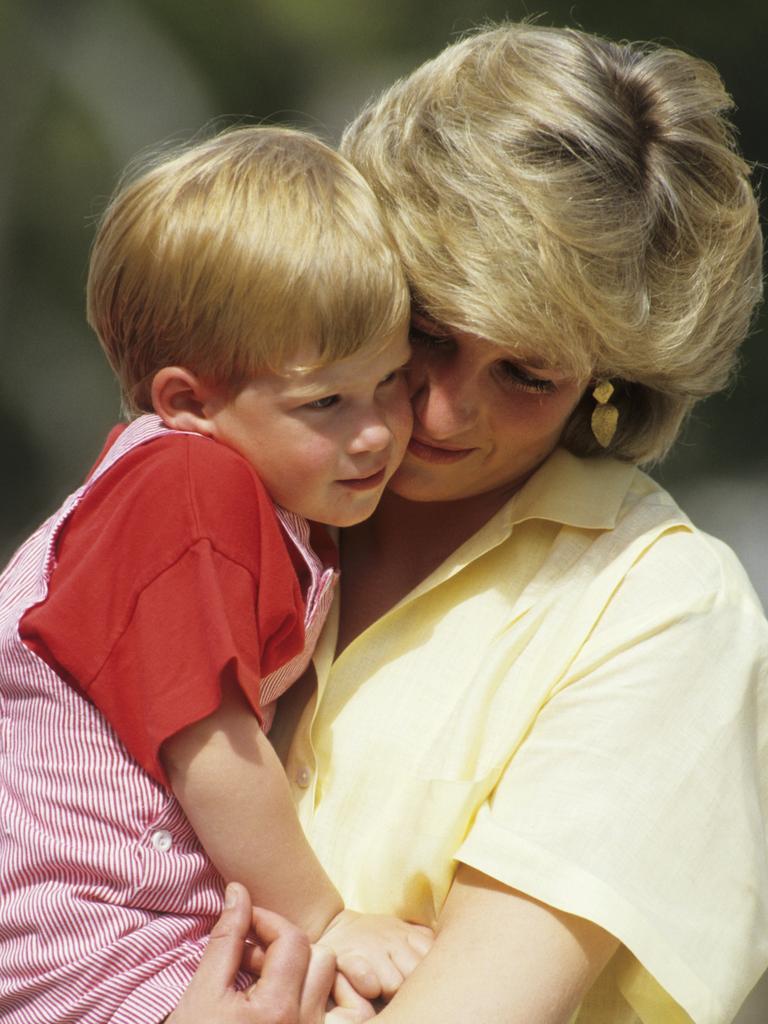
x: 443, y: 402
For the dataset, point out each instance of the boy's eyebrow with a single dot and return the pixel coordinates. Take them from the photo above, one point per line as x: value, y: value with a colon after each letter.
x: 303, y: 383
x: 310, y: 381
x: 307, y: 389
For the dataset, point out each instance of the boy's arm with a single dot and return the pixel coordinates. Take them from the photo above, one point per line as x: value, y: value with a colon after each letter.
x: 233, y: 789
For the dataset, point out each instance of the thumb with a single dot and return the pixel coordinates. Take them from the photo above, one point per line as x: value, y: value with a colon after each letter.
x: 220, y: 962
x: 351, y: 1007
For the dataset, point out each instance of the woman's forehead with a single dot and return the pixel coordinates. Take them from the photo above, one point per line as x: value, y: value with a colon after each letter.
x: 525, y: 354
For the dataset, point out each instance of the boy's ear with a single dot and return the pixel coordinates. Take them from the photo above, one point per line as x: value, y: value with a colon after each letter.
x: 182, y: 400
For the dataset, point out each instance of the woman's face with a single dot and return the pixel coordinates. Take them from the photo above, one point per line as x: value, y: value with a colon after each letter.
x: 483, y: 421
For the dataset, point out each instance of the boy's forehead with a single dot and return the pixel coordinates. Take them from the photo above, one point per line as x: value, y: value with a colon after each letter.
x: 301, y: 373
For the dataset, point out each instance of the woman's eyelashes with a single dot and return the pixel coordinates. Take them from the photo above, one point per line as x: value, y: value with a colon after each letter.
x: 512, y: 373
x: 421, y: 338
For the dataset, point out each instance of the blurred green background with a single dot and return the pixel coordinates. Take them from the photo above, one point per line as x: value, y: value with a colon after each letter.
x: 86, y: 85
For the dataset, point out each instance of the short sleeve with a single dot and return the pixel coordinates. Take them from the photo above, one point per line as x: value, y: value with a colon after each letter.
x: 187, y: 634
x: 638, y: 798
x: 172, y: 576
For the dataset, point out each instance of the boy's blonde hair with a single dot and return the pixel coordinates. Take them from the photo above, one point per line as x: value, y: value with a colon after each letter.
x: 232, y: 255
x: 578, y: 200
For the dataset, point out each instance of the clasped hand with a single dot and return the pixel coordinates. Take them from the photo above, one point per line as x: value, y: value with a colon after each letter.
x: 360, y: 957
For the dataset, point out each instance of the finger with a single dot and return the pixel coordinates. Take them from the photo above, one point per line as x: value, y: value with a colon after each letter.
x: 221, y: 960
x: 317, y: 985
x: 253, y: 958
x: 338, y: 1016
x: 405, y: 958
x: 390, y: 978
x: 371, y: 978
x: 351, y: 1006
x: 286, y: 959
x: 361, y: 974
x: 421, y: 938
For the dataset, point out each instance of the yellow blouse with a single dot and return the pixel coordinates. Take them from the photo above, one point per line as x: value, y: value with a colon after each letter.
x: 572, y: 705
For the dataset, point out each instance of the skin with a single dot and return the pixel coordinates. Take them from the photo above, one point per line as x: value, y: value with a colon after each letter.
x: 325, y: 441
x: 484, y: 419
x: 294, y: 983
x: 483, y: 423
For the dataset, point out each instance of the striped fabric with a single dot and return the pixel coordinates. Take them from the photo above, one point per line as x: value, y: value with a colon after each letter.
x: 107, y: 896
x: 318, y: 598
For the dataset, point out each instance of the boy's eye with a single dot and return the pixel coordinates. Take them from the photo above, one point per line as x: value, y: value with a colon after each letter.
x: 323, y: 403
x: 517, y: 377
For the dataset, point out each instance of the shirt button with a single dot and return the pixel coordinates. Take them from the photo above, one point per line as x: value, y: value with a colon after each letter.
x: 303, y: 777
x: 162, y: 840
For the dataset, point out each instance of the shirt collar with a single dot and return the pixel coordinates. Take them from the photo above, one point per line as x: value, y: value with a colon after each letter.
x: 585, y: 493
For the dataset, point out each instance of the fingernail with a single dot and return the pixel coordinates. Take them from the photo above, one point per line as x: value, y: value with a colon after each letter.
x: 230, y: 897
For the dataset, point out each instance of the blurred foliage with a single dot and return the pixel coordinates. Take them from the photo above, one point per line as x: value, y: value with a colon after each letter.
x: 85, y: 85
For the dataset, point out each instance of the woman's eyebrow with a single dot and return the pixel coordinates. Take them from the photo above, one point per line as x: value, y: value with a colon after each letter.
x: 420, y: 319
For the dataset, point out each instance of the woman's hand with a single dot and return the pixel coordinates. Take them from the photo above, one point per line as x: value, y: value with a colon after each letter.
x: 295, y: 978
x: 374, y: 952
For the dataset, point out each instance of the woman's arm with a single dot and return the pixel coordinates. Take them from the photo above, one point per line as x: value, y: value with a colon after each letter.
x: 501, y: 958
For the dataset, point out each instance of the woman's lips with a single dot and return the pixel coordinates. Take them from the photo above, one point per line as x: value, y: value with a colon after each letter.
x: 436, y: 453
x: 365, y: 483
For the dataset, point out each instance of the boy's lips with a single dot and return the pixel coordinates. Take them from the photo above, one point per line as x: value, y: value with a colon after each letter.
x: 437, y: 453
x: 365, y: 483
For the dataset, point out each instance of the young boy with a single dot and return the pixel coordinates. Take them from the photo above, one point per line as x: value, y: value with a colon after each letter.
x: 253, y: 308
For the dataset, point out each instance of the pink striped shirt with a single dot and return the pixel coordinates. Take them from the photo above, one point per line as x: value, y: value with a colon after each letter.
x: 107, y: 895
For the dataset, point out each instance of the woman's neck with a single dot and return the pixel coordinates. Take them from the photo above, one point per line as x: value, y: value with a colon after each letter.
x: 390, y: 554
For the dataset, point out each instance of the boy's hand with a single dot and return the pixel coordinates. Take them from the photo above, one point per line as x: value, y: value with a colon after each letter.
x: 376, y: 952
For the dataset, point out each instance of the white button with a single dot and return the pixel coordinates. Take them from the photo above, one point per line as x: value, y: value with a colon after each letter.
x: 162, y: 840
x: 303, y: 776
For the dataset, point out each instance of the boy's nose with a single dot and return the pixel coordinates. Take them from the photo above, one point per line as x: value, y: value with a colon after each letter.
x: 373, y: 435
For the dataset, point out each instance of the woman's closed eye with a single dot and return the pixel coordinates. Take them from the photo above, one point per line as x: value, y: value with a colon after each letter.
x: 514, y: 374
x: 423, y: 339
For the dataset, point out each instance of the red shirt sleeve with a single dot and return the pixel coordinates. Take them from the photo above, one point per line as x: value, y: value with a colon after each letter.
x: 171, y: 574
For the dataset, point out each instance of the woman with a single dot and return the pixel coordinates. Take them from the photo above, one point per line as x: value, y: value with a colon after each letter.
x: 537, y: 720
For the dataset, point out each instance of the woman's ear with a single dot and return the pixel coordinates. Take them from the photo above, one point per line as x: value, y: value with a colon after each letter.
x: 182, y: 400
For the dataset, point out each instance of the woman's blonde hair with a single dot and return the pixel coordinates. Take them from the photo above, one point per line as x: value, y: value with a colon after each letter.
x: 230, y: 256
x: 580, y: 200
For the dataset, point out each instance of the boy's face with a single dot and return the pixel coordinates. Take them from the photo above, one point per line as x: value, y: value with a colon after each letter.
x: 324, y: 441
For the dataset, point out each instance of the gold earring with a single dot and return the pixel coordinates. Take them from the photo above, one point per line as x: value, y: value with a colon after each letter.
x: 605, y: 416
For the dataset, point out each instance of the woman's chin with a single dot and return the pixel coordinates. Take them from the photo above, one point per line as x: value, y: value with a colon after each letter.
x: 416, y: 487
